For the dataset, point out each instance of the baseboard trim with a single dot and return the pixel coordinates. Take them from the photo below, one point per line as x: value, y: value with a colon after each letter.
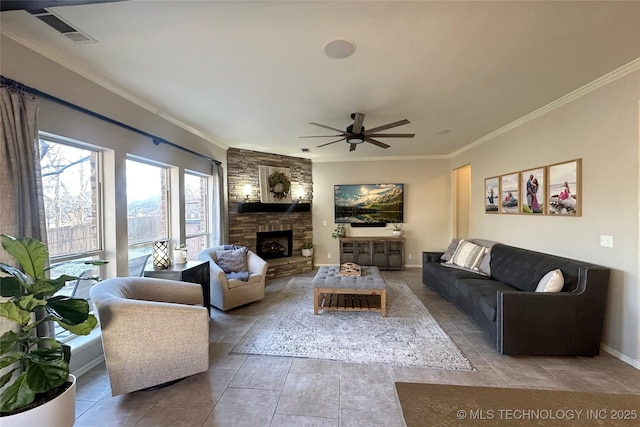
x: 89, y: 366
x: 626, y: 359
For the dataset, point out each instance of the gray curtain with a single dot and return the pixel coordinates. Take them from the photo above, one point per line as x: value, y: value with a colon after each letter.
x: 220, y: 231
x: 22, y: 207
x: 22, y: 202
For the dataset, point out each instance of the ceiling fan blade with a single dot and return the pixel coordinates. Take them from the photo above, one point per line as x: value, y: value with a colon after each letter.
x: 374, y: 142
x: 357, y: 123
x: 392, y: 135
x: 332, y: 142
x: 387, y: 126
x: 352, y: 147
x: 41, y: 4
x: 326, y: 127
x: 320, y: 136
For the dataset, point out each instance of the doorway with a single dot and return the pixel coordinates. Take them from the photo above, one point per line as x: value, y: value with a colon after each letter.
x: 461, y: 201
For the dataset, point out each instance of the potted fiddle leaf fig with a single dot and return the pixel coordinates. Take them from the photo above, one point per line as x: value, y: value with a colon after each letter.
x: 35, y: 367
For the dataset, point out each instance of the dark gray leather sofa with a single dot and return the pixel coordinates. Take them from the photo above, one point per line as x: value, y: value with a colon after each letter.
x: 518, y: 320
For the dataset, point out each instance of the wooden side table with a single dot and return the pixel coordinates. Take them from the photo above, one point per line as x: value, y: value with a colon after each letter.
x: 192, y: 271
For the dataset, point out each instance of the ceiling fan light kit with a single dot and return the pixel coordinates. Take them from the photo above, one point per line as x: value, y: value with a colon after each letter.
x: 357, y: 134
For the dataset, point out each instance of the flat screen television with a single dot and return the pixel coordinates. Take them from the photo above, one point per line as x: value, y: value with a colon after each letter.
x: 374, y: 204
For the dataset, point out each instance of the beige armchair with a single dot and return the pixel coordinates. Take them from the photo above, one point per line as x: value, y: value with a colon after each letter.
x: 153, y: 331
x: 228, y: 292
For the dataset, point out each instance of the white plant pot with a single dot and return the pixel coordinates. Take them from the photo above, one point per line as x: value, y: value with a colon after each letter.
x: 180, y: 256
x: 307, y: 252
x: 59, y: 412
x: 396, y: 233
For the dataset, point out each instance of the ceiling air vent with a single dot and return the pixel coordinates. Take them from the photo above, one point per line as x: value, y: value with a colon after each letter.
x: 61, y: 26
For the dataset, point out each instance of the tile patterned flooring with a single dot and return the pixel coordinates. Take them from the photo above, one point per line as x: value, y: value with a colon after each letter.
x: 257, y: 391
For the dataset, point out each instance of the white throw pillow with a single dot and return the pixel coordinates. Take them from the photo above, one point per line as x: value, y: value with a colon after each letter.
x: 468, y: 255
x: 553, y: 281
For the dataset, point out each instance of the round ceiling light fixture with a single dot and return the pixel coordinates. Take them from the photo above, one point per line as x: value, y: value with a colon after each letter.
x: 339, y: 48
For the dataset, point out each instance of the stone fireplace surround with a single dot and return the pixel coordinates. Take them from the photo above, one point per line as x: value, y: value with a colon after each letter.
x: 242, y: 169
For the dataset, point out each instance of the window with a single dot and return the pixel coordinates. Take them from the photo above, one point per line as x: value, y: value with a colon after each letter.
x: 196, y: 214
x: 70, y: 186
x: 71, y: 182
x: 147, y: 206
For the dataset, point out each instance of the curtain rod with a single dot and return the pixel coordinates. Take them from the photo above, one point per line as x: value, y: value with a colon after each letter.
x: 156, y: 140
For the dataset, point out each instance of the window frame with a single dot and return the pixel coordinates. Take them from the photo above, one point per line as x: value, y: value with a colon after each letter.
x: 206, y: 220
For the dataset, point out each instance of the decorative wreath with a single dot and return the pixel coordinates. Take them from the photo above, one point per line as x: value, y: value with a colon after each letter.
x: 279, y: 185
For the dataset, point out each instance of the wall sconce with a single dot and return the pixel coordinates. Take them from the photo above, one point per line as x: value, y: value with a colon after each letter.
x: 247, y: 192
x: 300, y: 193
x: 161, y: 258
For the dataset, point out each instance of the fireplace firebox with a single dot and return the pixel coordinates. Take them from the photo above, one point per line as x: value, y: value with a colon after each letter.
x: 274, y: 244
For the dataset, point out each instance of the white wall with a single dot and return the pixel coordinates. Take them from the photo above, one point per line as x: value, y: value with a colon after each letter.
x: 427, y: 214
x: 601, y: 128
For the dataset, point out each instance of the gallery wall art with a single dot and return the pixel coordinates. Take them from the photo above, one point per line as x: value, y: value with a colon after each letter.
x: 554, y: 189
x: 565, y: 193
x: 492, y: 194
x: 510, y: 193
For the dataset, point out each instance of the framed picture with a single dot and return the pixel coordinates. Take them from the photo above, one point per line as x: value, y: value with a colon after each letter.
x: 275, y: 184
x: 565, y: 188
x: 533, y: 191
x: 491, y: 195
x: 510, y: 193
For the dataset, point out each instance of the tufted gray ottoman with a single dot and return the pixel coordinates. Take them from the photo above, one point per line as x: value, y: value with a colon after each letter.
x: 367, y: 292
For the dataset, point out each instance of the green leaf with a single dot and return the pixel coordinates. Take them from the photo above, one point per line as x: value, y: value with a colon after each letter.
x: 30, y: 253
x: 83, y: 328
x: 10, y: 359
x: 31, y: 303
x: 46, y: 354
x: 43, y: 376
x: 12, y: 312
x: 16, y: 395
x: 5, y: 378
x: 10, y: 287
x: 9, y: 339
x: 71, y: 311
x: 44, y: 288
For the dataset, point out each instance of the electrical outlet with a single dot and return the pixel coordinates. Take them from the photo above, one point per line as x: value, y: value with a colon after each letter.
x: 329, y: 255
x: 606, y: 241
x: 410, y: 256
x: 324, y: 222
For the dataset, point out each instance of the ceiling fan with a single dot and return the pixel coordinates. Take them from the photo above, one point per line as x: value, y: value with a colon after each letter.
x: 357, y: 134
x: 41, y: 4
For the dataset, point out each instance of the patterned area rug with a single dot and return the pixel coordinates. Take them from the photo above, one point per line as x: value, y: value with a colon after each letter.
x: 408, y: 336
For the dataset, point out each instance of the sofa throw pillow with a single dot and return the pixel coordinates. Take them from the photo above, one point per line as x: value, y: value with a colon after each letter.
x: 485, y: 264
x: 468, y: 255
x: 232, y: 260
x: 553, y: 281
x: 450, y: 250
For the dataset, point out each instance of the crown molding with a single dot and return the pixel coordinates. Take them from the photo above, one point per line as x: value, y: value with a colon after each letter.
x: 382, y: 159
x: 570, y: 97
x: 68, y: 63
